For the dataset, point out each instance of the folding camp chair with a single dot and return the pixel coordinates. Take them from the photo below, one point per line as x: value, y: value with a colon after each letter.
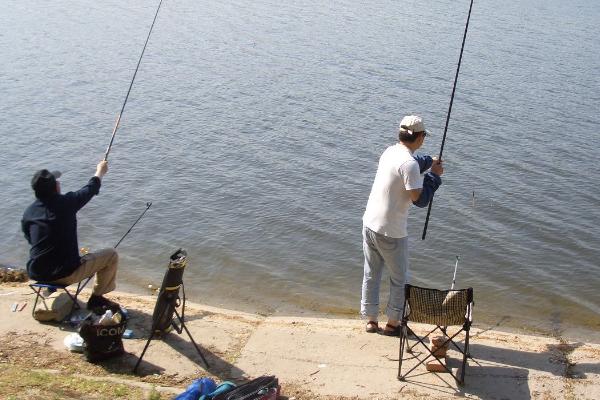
x: 442, y: 308
x: 37, y: 288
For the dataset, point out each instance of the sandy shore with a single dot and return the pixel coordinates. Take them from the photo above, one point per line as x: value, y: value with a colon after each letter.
x: 314, y: 358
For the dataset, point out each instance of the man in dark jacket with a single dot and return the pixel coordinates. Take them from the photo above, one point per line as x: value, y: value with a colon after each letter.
x: 50, y: 227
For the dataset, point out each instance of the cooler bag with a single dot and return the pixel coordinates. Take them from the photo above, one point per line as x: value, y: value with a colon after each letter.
x: 102, y: 341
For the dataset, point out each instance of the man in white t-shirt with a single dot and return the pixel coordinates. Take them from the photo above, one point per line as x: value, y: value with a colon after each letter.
x: 402, y: 179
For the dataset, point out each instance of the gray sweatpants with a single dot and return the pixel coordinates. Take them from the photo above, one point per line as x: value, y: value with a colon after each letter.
x: 379, y: 250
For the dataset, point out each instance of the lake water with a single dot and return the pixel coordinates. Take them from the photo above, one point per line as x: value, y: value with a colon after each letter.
x: 255, y: 129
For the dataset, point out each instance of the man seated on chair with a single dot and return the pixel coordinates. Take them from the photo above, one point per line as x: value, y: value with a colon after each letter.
x: 50, y: 227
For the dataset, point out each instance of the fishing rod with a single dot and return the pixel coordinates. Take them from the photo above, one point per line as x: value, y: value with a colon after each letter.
x: 448, y: 115
x: 453, y: 282
x: 120, y: 240
x: 114, y: 132
x: 455, y: 268
x: 148, y: 205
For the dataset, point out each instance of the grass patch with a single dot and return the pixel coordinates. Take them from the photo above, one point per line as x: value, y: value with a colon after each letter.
x: 25, y: 384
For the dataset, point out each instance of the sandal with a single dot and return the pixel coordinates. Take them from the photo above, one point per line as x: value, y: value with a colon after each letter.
x: 391, y: 330
x: 372, y: 327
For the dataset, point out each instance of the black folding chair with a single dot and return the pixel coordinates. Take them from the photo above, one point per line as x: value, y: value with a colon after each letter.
x: 442, y: 308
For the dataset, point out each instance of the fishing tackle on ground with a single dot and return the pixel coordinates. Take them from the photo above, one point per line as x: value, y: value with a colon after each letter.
x: 168, y: 302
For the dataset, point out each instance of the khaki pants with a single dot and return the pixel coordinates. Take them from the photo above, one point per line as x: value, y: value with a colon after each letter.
x: 103, y: 263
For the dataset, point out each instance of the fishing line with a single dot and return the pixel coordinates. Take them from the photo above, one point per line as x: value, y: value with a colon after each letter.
x: 448, y: 115
x: 131, y: 85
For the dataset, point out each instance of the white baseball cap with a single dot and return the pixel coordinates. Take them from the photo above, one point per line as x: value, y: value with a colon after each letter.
x: 412, y: 124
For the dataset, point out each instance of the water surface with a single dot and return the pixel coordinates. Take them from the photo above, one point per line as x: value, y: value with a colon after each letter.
x: 255, y: 129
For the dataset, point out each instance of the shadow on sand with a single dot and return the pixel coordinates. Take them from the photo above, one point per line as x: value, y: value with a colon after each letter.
x: 140, y: 322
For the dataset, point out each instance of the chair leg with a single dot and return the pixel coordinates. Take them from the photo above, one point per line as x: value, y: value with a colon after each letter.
x: 461, y: 380
x: 37, y: 297
x: 403, y: 339
x: 458, y: 378
x: 409, y: 348
x: 82, y: 284
x: 75, y: 305
x: 419, y: 340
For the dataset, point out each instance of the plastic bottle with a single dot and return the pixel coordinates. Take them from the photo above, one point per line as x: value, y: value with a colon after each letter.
x: 106, y: 319
x: 116, y: 319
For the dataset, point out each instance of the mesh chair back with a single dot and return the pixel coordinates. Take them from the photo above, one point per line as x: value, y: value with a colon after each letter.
x: 438, y: 307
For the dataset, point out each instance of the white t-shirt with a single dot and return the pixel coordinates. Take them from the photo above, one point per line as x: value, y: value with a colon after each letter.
x: 387, y: 208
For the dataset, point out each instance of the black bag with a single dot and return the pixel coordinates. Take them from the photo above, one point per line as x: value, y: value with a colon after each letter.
x: 262, y: 388
x: 103, y: 341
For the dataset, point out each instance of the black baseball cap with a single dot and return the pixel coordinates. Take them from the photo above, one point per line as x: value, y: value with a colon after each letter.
x: 43, y: 182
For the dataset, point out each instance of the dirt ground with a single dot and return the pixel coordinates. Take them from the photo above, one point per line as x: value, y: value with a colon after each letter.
x: 313, y: 358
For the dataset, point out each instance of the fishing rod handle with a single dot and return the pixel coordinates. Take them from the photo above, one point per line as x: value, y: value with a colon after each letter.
x: 112, y: 138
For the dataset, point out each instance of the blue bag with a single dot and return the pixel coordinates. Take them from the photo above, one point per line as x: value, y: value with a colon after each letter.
x: 197, y: 388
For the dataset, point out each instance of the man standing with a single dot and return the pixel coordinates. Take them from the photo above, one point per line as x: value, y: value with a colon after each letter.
x: 50, y: 227
x: 401, y: 179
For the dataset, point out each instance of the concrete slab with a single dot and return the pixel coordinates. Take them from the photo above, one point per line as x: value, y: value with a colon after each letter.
x: 333, y: 356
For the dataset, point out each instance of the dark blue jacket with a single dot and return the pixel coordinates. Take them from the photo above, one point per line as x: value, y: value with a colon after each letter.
x: 50, y: 227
